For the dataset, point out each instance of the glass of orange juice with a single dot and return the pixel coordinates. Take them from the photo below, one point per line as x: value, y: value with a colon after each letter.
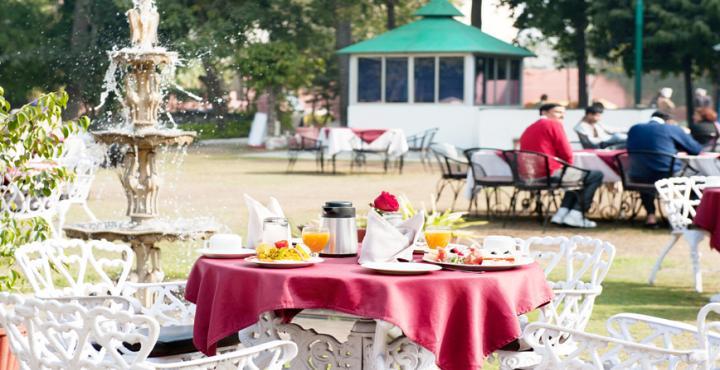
x: 315, y: 237
x: 437, y: 236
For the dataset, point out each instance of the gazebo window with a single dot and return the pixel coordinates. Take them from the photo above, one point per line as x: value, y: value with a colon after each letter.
x: 369, y: 80
x: 424, y: 80
x: 420, y: 79
x: 451, y: 80
x: 396, y: 80
x: 497, y: 81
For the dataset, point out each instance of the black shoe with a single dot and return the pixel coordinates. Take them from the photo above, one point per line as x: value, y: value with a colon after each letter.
x: 653, y: 226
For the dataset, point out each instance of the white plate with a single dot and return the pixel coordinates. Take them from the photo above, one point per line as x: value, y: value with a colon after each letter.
x: 486, y: 266
x: 230, y: 253
x: 284, y: 264
x: 400, y: 268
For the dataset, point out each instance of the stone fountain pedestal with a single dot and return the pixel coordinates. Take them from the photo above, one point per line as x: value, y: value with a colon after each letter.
x: 146, y: 68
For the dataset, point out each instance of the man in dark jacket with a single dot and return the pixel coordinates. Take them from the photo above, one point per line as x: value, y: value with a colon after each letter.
x: 656, y: 136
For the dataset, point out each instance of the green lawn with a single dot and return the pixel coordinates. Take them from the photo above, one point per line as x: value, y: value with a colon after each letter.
x: 210, y: 181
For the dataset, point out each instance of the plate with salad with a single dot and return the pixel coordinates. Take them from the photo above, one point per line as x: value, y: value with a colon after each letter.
x: 457, y: 257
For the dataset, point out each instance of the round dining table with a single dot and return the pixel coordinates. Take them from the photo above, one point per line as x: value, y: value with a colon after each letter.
x: 460, y: 317
x: 707, y: 215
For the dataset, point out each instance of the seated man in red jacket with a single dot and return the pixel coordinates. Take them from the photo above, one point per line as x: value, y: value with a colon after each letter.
x: 547, y: 136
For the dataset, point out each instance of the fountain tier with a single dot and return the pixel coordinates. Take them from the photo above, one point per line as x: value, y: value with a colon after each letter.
x: 145, y: 68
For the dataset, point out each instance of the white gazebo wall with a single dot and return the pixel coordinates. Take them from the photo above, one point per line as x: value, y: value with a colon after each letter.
x: 469, y: 126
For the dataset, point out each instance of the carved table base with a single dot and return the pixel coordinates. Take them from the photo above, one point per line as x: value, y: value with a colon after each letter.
x: 323, y: 351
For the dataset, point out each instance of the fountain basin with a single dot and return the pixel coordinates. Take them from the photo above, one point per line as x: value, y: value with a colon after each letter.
x: 154, y: 56
x: 143, y: 238
x: 146, y: 138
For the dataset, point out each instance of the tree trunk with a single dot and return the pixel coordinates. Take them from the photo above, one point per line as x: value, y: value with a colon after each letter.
x: 390, y: 9
x: 476, y: 14
x: 78, y: 44
x: 343, y: 37
x: 687, y: 74
x: 271, y: 112
x: 215, y: 93
x: 582, y: 60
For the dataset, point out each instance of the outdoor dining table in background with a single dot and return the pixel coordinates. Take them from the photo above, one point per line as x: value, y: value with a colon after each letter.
x: 495, y: 165
x: 707, y: 215
x: 342, y: 139
x: 706, y: 164
x: 460, y: 317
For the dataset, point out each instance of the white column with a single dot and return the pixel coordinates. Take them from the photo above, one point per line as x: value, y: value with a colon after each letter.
x: 411, y: 79
x: 469, y: 85
x: 353, y: 83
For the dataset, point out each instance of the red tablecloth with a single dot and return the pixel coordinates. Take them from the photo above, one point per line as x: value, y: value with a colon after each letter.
x: 707, y: 215
x: 458, y: 316
x: 367, y: 135
x: 607, y: 156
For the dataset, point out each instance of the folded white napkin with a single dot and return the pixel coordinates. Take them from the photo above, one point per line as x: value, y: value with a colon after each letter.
x: 387, y: 243
x: 257, y: 212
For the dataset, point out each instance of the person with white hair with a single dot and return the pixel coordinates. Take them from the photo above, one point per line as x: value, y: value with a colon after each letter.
x: 663, y: 101
x: 702, y: 99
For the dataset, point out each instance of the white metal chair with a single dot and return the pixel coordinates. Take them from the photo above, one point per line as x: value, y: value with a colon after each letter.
x: 62, y: 335
x: 575, y: 269
x: 84, y: 161
x: 72, y: 267
x: 21, y: 205
x: 635, y: 342
x: 679, y: 196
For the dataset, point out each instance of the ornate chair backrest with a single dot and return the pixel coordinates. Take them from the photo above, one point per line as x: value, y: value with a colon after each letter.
x: 64, y: 335
x: 450, y: 164
x: 529, y: 169
x: 585, y: 141
x: 428, y: 137
x: 21, y: 205
x: 167, y: 306
x: 625, y: 161
x: 82, y: 267
x: 575, y: 269
x: 79, y: 189
x: 679, y: 197
x: 305, y: 138
x: 478, y: 167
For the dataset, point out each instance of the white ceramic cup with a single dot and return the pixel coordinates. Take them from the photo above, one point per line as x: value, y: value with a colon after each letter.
x: 502, y: 246
x: 224, y: 242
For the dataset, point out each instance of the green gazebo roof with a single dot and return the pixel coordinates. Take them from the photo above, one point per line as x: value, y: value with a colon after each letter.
x: 436, y: 32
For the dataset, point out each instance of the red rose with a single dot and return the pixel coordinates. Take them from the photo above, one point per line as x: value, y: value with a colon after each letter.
x: 386, y: 202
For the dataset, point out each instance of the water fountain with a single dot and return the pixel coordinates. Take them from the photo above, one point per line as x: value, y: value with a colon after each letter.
x: 145, y: 66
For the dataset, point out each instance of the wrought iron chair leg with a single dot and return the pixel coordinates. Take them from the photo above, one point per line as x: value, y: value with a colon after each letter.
x: 456, y: 191
x: 322, y: 162
x: 544, y: 216
x: 440, y: 187
x: 472, y: 199
x: 292, y: 158
x: 488, y: 213
x: 513, y: 199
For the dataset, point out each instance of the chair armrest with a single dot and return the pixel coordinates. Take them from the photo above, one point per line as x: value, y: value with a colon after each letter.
x: 657, y: 331
x: 270, y: 355
x: 168, y: 306
x: 551, y: 342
